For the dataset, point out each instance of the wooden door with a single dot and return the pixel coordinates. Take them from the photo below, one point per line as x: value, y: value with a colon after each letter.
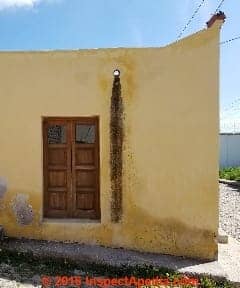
x: 71, y: 168
x: 57, y: 168
x: 85, y: 168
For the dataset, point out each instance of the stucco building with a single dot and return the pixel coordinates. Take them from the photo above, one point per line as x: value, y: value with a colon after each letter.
x: 127, y: 160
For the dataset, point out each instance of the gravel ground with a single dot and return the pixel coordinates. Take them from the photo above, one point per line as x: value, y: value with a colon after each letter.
x: 230, y: 209
x: 11, y: 277
x: 22, y: 276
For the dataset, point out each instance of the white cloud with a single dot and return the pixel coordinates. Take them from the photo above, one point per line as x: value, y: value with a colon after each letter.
x: 6, y: 4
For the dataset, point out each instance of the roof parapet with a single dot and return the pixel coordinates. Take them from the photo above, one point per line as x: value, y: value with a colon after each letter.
x: 218, y: 16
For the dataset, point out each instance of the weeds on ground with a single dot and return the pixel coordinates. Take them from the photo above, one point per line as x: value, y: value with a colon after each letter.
x: 231, y: 173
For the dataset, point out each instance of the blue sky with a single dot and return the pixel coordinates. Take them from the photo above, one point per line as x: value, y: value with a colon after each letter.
x: 76, y: 24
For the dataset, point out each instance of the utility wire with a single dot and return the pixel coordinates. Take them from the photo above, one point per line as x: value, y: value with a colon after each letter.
x: 219, y: 6
x: 190, y: 20
x: 230, y: 40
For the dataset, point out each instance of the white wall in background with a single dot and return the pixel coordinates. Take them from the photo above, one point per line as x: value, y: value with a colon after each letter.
x: 229, y: 150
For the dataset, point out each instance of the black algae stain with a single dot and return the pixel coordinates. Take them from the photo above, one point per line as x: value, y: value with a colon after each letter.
x: 116, y: 146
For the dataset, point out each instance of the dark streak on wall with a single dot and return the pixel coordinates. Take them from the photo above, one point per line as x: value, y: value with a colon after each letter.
x: 116, y: 145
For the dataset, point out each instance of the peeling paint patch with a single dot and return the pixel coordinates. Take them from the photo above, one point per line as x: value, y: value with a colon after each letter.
x: 2, y: 206
x: 116, y: 146
x: 22, y: 210
x: 3, y: 187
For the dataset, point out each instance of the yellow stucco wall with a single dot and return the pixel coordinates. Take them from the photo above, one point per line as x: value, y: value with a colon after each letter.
x: 170, y: 155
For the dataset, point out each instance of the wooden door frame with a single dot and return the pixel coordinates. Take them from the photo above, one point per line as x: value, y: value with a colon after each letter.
x: 72, y: 119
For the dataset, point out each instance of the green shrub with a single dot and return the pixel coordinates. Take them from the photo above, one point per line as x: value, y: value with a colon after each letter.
x: 231, y: 173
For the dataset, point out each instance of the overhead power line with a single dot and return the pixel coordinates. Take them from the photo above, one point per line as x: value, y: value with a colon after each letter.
x: 230, y: 40
x: 219, y: 6
x: 190, y: 20
x: 195, y: 13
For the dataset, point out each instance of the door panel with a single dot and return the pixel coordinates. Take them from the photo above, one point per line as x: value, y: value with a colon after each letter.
x: 57, y: 168
x: 57, y: 201
x: 57, y: 156
x: 84, y: 156
x: 85, y: 178
x: 57, y: 178
x: 85, y: 168
x: 85, y: 201
x: 71, y: 168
